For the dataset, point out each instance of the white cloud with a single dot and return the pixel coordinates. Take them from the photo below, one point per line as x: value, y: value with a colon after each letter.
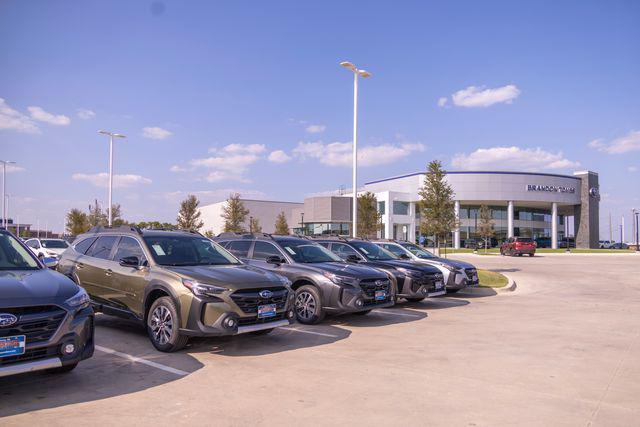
x: 39, y: 114
x: 176, y: 168
x: 512, y: 158
x: 632, y: 169
x: 229, y: 163
x: 85, y: 114
x: 316, y: 128
x: 279, y: 156
x: 442, y: 101
x: 480, y: 97
x: 340, y: 153
x: 11, y: 119
x: 154, y: 132
x: 240, y: 148
x: 219, y: 176
x: 624, y: 144
x: 119, y: 181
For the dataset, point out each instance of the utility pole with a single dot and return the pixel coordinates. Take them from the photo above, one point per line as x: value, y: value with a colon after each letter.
x: 622, y: 230
x: 610, y: 228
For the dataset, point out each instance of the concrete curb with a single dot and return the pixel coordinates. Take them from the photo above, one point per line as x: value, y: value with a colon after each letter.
x: 511, y: 286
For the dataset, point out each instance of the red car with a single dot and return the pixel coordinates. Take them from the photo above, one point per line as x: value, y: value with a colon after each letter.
x: 518, y: 246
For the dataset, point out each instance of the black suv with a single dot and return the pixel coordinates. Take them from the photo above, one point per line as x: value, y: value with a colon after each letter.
x: 414, y: 281
x: 323, y: 282
x: 46, y: 320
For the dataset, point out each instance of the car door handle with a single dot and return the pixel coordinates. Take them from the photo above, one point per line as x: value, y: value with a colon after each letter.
x: 108, y: 272
x: 79, y: 266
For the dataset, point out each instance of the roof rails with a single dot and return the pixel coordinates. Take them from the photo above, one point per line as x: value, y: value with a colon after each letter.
x: 101, y: 228
x: 228, y: 234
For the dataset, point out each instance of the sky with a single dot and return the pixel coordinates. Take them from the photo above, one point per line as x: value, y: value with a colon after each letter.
x: 239, y: 96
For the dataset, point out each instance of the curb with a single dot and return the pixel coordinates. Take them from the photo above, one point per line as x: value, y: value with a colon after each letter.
x: 511, y: 286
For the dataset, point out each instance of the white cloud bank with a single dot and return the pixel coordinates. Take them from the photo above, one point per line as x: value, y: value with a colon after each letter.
x: 229, y: 163
x: 85, y: 114
x: 481, y: 97
x: 624, y: 144
x: 278, y: 156
x: 340, y: 153
x: 119, y: 181
x: 512, y: 158
x: 41, y: 115
x: 154, y: 132
x: 316, y: 128
x: 11, y: 119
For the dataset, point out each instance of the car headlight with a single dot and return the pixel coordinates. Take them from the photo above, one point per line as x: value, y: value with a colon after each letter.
x: 202, y: 289
x: 339, y: 280
x: 285, y: 282
x: 449, y: 267
x: 410, y: 273
x: 79, y: 300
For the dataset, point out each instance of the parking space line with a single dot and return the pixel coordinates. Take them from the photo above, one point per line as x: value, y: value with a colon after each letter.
x: 394, y: 313
x: 311, y: 332
x: 141, y: 360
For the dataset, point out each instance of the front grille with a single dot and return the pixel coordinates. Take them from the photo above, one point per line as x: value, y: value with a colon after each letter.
x: 37, y: 323
x: 470, y: 272
x: 30, y: 355
x: 253, y: 320
x: 249, y: 299
x: 432, y: 279
x: 369, y: 288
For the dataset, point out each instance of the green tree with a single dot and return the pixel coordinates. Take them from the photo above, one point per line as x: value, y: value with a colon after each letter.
x: 368, y: 215
x: 209, y: 234
x: 254, y: 225
x: 282, y: 227
x: 116, y: 216
x: 234, y: 214
x: 485, y: 226
x: 97, y: 217
x: 155, y: 225
x: 77, y: 222
x: 189, y: 215
x: 436, y: 204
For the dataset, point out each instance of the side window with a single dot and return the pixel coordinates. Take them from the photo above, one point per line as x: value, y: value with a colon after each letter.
x: 394, y: 249
x: 83, y: 245
x: 263, y: 250
x: 102, y: 247
x: 33, y: 244
x: 239, y: 248
x: 343, y: 251
x: 325, y: 244
x: 128, y: 247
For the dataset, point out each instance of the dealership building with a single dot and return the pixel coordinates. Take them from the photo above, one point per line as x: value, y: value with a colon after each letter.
x: 526, y: 204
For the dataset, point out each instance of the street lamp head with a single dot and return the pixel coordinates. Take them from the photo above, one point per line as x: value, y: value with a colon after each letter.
x: 7, y: 162
x: 349, y: 65
x: 364, y: 73
x: 112, y: 134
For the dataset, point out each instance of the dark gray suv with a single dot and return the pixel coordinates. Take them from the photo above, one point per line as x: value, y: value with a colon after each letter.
x: 323, y: 282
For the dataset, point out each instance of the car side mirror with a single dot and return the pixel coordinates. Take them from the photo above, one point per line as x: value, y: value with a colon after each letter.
x: 404, y: 256
x: 130, y: 261
x: 274, y: 259
x: 353, y: 258
x: 51, y: 263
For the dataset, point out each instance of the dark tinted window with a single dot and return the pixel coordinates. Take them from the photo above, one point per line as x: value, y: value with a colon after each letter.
x: 395, y: 249
x: 14, y: 256
x: 187, y: 250
x: 263, y: 250
x: 239, y: 248
x: 55, y: 244
x: 343, y: 251
x: 102, y: 247
x: 127, y: 247
x: 33, y: 244
x: 83, y: 245
x: 308, y: 252
x: 374, y: 252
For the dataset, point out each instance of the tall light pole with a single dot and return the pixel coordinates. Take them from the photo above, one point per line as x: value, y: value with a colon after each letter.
x: 111, y: 136
x: 636, y: 213
x: 4, y: 189
x: 356, y: 73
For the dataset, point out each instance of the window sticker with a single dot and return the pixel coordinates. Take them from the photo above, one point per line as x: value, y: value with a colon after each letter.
x: 291, y: 251
x: 158, y: 249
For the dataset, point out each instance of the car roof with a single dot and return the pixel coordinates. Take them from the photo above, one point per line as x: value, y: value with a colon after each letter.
x: 135, y: 231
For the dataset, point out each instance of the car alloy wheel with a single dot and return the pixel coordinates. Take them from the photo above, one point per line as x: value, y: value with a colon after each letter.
x: 306, y: 305
x: 161, y: 325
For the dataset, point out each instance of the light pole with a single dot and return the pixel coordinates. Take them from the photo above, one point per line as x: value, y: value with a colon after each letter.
x: 636, y: 213
x: 7, y: 196
x: 111, y: 136
x: 356, y: 73
x: 4, y: 189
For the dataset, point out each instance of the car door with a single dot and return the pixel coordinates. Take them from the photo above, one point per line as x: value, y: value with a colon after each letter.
x: 94, y: 269
x: 263, y: 250
x: 129, y: 282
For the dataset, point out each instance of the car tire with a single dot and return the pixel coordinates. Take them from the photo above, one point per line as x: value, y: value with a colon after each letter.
x: 362, y: 313
x: 415, y: 299
x: 263, y: 332
x: 308, y: 305
x: 63, y: 369
x: 163, y: 326
x: 531, y: 254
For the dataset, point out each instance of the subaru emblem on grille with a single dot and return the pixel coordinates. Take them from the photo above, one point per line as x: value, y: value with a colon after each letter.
x: 379, y: 282
x: 7, y: 319
x: 265, y: 294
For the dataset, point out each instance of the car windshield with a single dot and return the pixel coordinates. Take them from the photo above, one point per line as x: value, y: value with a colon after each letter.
x: 418, y: 251
x: 55, y: 244
x: 14, y: 256
x: 187, y: 250
x: 523, y: 239
x: 373, y: 252
x: 308, y: 252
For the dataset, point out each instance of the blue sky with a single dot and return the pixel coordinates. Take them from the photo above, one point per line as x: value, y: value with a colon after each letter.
x: 220, y: 86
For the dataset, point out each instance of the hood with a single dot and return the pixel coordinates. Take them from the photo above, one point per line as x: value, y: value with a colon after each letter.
x: 451, y: 262
x: 58, y: 251
x: 34, y: 287
x: 345, y: 269
x: 412, y: 265
x: 240, y: 276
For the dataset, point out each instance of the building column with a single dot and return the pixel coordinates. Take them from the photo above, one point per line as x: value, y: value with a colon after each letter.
x: 554, y: 225
x: 510, y: 219
x: 456, y: 233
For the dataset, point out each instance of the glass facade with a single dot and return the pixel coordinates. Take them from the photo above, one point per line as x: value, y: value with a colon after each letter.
x: 327, y: 228
x: 400, y: 208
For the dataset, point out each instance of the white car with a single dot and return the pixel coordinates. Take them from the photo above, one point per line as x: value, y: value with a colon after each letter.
x: 605, y: 244
x: 47, y: 248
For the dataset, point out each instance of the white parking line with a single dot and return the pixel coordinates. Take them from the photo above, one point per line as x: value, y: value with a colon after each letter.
x: 395, y: 313
x: 141, y: 360
x: 311, y: 332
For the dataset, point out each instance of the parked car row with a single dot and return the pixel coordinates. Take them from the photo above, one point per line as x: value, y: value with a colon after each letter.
x: 180, y: 284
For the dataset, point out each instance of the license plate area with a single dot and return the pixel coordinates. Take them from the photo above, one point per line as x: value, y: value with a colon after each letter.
x: 439, y: 286
x: 381, y: 295
x: 267, y: 310
x: 12, y: 346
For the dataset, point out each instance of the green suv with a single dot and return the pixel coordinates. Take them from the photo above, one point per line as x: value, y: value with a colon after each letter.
x: 177, y: 283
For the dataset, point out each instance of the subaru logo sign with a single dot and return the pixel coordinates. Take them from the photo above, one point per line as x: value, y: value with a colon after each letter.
x: 265, y: 294
x: 379, y: 282
x: 7, y: 319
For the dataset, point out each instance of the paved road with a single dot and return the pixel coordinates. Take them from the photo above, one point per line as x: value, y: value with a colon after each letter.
x: 561, y: 350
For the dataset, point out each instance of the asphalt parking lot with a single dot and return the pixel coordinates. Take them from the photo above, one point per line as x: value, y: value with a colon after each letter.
x: 563, y: 349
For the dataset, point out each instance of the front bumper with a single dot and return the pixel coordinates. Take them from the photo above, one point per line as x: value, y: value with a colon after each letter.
x: 349, y: 299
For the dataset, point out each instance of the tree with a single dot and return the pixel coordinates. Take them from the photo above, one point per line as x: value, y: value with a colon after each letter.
x: 436, y: 205
x: 485, y: 227
x: 282, y: 227
x: 254, y: 225
x: 209, y: 234
x: 368, y: 215
x: 234, y: 214
x: 77, y: 222
x: 156, y: 225
x: 189, y: 215
x: 116, y: 216
x: 97, y: 217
